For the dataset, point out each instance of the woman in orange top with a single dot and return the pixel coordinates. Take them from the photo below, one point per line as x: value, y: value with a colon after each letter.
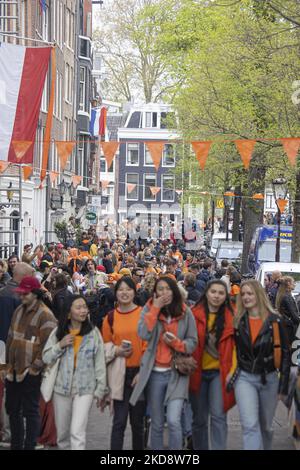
x: 120, y: 328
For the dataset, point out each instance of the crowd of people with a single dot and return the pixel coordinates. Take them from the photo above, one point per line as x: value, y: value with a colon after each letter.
x: 156, y: 333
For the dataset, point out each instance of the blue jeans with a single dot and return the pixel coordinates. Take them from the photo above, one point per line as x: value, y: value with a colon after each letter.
x: 156, y: 392
x: 186, y: 420
x: 257, y: 405
x: 208, y: 402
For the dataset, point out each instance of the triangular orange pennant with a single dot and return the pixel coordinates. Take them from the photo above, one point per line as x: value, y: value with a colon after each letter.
x: 201, y: 149
x: 245, y: 149
x: 3, y: 166
x: 76, y: 180
x: 154, y: 190
x: 130, y: 187
x: 291, y: 146
x: 156, y: 151
x: 20, y: 147
x: 53, y: 175
x: 104, y: 184
x: 109, y: 151
x: 27, y: 172
x: 64, y: 150
x: 281, y: 203
x: 258, y: 196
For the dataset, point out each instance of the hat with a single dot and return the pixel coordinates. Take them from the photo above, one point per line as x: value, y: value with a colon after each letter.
x: 113, y: 277
x: 27, y: 285
x: 60, y: 245
x: 125, y: 272
x: 101, y: 268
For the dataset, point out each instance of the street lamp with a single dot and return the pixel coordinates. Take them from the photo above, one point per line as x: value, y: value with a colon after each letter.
x: 228, y: 198
x: 280, y: 192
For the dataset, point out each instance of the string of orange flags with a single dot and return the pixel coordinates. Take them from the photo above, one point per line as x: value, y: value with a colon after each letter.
x: 76, y: 180
x: 201, y: 149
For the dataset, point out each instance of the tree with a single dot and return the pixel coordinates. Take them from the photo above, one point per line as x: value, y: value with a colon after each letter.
x: 236, y: 67
x: 125, y: 38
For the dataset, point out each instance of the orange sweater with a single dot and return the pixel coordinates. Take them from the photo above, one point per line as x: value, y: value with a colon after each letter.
x: 125, y: 327
x: 164, y: 354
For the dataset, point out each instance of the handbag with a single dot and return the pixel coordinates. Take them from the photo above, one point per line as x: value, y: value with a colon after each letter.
x: 48, y: 381
x: 184, y: 364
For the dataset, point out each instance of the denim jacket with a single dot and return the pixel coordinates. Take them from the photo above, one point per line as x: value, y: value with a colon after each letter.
x: 89, y: 376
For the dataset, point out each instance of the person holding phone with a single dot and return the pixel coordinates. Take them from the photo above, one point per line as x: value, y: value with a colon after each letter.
x: 124, y: 350
x: 168, y: 326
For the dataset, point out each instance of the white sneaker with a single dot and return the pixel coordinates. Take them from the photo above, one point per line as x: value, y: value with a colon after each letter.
x: 5, y: 445
x: 39, y: 447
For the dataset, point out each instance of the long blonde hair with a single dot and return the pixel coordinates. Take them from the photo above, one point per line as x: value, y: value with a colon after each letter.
x: 263, y: 304
x: 282, y: 290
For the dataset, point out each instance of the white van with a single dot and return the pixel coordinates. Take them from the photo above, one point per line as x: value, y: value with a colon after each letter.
x: 286, y: 269
x: 216, y: 239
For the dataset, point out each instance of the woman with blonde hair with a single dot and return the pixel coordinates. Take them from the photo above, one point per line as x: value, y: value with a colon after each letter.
x: 262, y: 353
x: 287, y: 307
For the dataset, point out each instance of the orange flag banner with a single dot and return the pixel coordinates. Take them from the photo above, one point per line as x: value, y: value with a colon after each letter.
x: 27, y: 172
x: 156, y: 152
x: 20, y: 147
x: 201, y: 149
x: 53, y: 175
x: 3, y: 166
x: 76, y: 180
x: 64, y: 150
x: 245, y: 149
x: 258, y: 196
x: 291, y: 146
x: 46, y: 143
x: 104, y: 184
x: 109, y: 151
x: 154, y: 190
x: 130, y: 187
x: 281, y: 204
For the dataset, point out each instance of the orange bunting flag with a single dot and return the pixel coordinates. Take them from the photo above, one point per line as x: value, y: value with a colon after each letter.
x: 27, y: 172
x: 64, y: 150
x: 245, y: 149
x: 201, y: 149
x: 109, y: 150
x: 291, y: 146
x: 76, y: 180
x: 154, y: 190
x: 3, y: 166
x: 258, y: 196
x: 229, y: 194
x: 130, y: 187
x: 21, y: 147
x: 104, y: 184
x: 53, y: 175
x: 281, y: 203
x: 156, y: 152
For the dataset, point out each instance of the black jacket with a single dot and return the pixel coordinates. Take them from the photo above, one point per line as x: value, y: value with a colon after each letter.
x: 259, y: 358
x: 290, y: 314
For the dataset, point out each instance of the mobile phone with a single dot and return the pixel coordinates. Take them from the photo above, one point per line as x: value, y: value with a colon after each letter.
x: 126, y: 344
x: 170, y: 335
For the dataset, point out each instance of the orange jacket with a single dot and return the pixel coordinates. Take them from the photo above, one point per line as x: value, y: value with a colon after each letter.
x: 225, y: 348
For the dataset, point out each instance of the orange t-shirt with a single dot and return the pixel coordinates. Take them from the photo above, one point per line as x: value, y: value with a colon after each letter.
x: 256, y: 324
x: 125, y: 326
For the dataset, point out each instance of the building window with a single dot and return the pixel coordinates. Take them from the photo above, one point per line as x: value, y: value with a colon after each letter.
x: 169, y: 155
x: 58, y: 96
x: 132, y: 154
x: 269, y: 201
x: 103, y: 166
x: 148, y: 158
x: 80, y: 160
x: 132, y: 178
x: 82, y: 88
x: 149, y: 181
x: 168, y: 188
x: 44, y: 105
x: 151, y: 120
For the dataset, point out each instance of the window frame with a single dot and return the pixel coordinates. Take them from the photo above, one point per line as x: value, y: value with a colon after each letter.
x: 162, y: 188
x: 138, y: 155
x: 164, y: 165
x: 152, y: 175
x: 137, y: 187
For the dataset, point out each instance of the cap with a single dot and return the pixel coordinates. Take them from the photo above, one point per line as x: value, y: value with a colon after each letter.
x: 60, y: 245
x: 101, y: 268
x: 125, y: 272
x: 28, y: 284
